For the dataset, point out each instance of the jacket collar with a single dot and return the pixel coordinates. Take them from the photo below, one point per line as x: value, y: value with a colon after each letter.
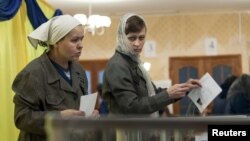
x: 133, y: 64
x: 53, y: 75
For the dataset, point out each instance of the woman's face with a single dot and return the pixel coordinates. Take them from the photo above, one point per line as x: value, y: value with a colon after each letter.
x: 70, y: 47
x: 137, y: 40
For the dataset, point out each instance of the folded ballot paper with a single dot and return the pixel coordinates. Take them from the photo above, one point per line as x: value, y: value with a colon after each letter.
x: 201, y: 97
x: 88, y: 103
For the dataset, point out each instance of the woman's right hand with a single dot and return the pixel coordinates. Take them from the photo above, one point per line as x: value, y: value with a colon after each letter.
x: 71, y: 112
x: 178, y: 90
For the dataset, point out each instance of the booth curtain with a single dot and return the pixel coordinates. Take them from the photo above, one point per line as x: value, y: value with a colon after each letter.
x: 36, y: 15
x: 8, y: 9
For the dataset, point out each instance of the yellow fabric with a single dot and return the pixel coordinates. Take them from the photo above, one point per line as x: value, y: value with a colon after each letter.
x: 15, y: 53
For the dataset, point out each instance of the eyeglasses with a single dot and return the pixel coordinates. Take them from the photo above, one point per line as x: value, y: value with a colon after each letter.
x: 134, y: 37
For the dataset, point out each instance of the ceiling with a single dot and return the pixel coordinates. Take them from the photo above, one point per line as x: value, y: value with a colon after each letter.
x: 149, y: 7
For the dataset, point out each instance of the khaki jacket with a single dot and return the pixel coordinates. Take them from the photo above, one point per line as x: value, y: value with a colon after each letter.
x: 39, y: 90
x: 125, y: 91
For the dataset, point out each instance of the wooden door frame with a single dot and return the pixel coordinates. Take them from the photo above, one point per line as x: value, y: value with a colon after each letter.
x: 92, y: 66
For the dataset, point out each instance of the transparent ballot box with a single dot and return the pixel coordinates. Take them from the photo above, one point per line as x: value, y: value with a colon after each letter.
x: 136, y: 128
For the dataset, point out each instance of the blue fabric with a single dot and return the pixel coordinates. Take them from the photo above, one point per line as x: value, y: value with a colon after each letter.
x: 58, y: 12
x: 61, y: 70
x: 103, y: 110
x: 8, y: 9
x: 36, y: 15
x: 219, y: 105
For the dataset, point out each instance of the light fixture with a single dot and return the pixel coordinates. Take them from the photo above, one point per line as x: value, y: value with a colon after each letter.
x: 147, y: 66
x: 95, y: 24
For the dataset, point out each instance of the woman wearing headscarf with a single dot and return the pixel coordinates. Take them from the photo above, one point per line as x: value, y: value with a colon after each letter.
x: 127, y: 86
x: 53, y: 82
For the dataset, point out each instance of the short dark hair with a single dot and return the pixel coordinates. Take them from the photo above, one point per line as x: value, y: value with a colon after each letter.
x: 134, y: 24
x: 226, y: 85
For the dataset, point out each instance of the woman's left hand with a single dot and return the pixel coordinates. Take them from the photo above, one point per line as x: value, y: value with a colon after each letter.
x: 95, y: 114
x: 193, y: 83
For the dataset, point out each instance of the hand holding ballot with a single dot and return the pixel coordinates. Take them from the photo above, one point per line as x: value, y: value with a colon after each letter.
x: 87, y: 105
x: 86, y: 109
x: 180, y: 90
x: 204, y: 95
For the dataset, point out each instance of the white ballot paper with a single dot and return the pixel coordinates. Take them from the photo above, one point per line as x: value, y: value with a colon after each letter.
x: 88, y: 103
x: 201, y: 97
